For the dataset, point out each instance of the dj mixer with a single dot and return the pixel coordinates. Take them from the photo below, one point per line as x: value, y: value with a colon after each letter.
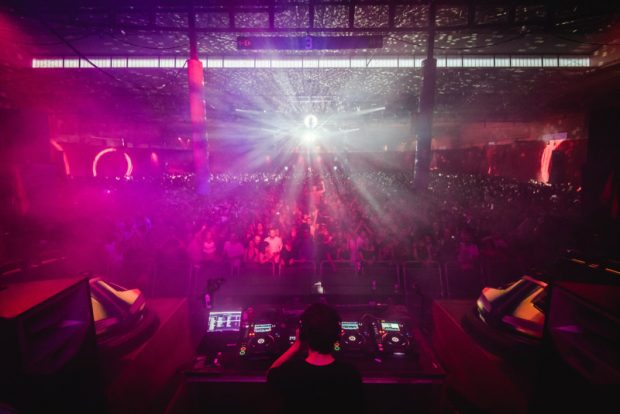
x: 251, y: 339
x: 400, y: 372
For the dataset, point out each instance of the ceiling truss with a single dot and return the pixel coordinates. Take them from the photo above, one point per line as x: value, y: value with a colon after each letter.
x: 314, y: 16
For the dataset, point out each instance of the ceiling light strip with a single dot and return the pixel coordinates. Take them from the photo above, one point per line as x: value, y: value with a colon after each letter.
x: 314, y: 62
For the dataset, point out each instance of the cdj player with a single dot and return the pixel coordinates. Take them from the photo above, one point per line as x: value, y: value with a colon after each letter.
x: 393, y: 338
x: 397, y: 365
x: 355, y: 338
x: 260, y: 340
x: 244, y: 339
x: 267, y: 333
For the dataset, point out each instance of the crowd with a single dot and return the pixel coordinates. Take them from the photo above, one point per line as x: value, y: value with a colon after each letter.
x: 491, y: 226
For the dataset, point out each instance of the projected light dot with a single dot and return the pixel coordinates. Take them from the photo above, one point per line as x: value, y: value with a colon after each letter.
x: 311, y: 121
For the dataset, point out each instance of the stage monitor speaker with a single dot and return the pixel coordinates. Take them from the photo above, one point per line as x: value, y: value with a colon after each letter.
x: 48, y: 352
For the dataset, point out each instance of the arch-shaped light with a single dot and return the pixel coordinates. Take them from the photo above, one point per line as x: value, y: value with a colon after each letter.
x: 107, y: 151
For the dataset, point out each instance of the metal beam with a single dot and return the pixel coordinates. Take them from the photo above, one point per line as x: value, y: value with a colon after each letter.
x: 233, y: 29
x: 270, y: 8
x: 424, y: 116
x: 79, y: 17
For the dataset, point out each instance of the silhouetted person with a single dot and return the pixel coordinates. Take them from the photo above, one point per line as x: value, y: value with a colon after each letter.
x: 307, y: 378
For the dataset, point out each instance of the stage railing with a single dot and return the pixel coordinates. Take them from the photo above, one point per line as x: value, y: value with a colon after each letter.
x: 135, y: 273
x: 336, y: 268
x: 171, y: 278
x: 462, y: 282
x: 497, y: 271
x: 367, y: 278
x: 383, y: 275
x: 429, y: 280
x: 424, y: 278
x: 299, y: 269
x: 249, y: 269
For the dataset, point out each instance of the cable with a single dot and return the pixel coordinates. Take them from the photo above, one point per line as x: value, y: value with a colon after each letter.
x: 76, y: 51
x: 55, y: 43
x: 568, y: 39
x: 126, y: 83
x: 174, y: 77
x: 179, y: 46
x: 145, y: 47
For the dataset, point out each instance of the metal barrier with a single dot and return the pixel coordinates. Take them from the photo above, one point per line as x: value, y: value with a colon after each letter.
x: 336, y: 268
x: 424, y: 278
x: 429, y: 280
x: 300, y: 269
x: 136, y: 273
x: 498, y: 271
x: 462, y: 282
x: 338, y: 276
x: 201, y: 272
x: 299, y: 277
x: 343, y: 277
x: 382, y: 275
x: 171, y: 278
x: 423, y: 282
x: 249, y: 270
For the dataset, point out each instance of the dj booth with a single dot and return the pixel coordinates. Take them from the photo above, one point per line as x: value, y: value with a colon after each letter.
x: 399, y: 370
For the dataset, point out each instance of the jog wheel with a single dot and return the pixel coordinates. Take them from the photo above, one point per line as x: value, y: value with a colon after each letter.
x: 261, y: 344
x: 395, y: 342
x: 352, y: 340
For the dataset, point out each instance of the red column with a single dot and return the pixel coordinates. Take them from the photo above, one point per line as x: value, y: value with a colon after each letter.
x: 199, y: 124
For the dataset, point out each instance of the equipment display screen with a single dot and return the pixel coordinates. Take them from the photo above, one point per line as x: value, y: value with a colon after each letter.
x: 224, y: 321
x: 262, y: 327
x: 390, y: 326
x: 349, y: 326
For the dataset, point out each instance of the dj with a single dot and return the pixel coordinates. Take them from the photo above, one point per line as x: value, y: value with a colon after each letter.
x: 307, y: 377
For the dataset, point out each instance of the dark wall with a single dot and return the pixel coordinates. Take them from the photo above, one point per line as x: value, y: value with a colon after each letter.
x: 602, y: 183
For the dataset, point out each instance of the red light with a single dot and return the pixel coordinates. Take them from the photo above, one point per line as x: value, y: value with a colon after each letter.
x: 244, y: 43
x: 545, y: 160
x: 65, y: 158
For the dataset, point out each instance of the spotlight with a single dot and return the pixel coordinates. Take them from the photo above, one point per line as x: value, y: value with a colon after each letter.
x: 309, y: 137
x: 311, y: 121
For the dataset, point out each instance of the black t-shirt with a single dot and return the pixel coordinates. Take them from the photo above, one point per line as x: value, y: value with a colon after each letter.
x: 300, y: 387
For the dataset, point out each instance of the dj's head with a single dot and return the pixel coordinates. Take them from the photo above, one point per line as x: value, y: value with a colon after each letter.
x: 320, y: 327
